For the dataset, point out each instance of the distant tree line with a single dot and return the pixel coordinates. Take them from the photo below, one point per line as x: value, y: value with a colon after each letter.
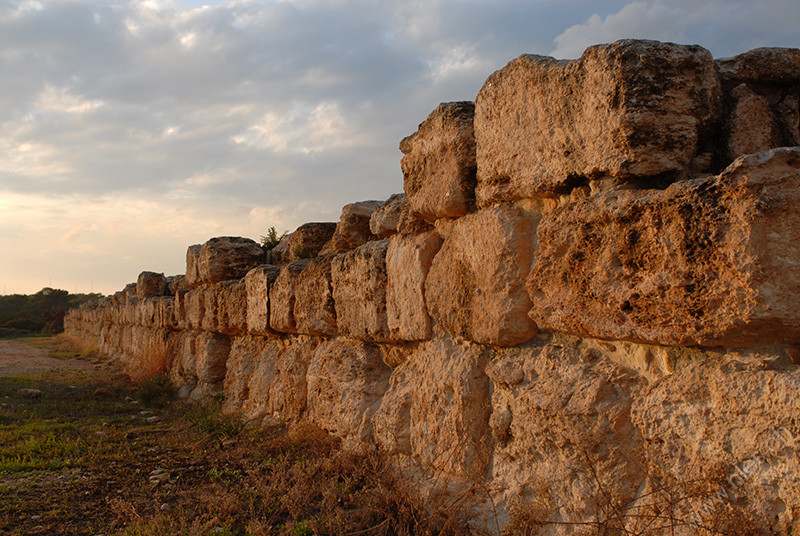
x: 38, y: 314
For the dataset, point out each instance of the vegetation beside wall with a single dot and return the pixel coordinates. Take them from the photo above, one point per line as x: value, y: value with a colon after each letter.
x: 38, y: 314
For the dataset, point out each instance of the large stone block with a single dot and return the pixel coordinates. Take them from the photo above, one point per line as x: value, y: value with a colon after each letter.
x: 562, y: 432
x: 352, y: 229
x: 256, y: 404
x: 288, y: 390
x: 193, y: 265
x: 314, y: 311
x: 194, y: 306
x: 307, y: 240
x: 359, y: 291
x: 228, y: 257
x: 211, y: 357
x: 241, y: 364
x: 626, y: 109
x: 257, y: 284
x: 150, y: 285
x: 408, y: 260
x: 232, y: 307
x: 475, y: 286
x: 448, y: 432
x: 282, y: 297
x: 762, y: 101
x: 711, y: 261
x: 346, y: 380
x: 211, y: 308
x: 439, y: 163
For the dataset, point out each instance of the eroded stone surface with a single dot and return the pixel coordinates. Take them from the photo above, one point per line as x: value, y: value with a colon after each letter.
x: 257, y: 284
x: 314, y: 310
x: 228, y: 257
x: 151, y: 284
x: 352, y: 229
x: 307, y: 240
x: 630, y: 108
x: 709, y: 261
x: 408, y: 260
x: 563, y: 436
x: 282, y: 297
x: 387, y: 219
x: 359, y: 291
x: 211, y: 356
x: 288, y: 389
x: 475, y: 286
x: 346, y: 380
x: 439, y: 163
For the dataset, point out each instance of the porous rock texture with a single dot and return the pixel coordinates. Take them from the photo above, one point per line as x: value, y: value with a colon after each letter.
x: 705, y: 262
x: 608, y: 342
x: 439, y: 163
x: 628, y: 109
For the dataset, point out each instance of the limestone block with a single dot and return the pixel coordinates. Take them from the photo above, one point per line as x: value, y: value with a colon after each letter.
x: 762, y: 100
x: 257, y: 284
x: 475, y: 286
x: 288, y: 389
x: 241, y: 364
x: 711, y: 261
x: 308, y: 240
x: 385, y: 220
x: 346, y: 380
x: 184, y: 369
x: 730, y: 413
x: 210, y: 321
x: 176, y: 283
x: 314, y: 311
x: 146, y: 312
x: 352, y: 229
x: 439, y: 163
x: 195, y: 308
x: 446, y: 432
x: 151, y: 284
x: 359, y: 291
x: 256, y: 405
x: 627, y: 109
x: 408, y: 259
x: 228, y: 257
x: 193, y: 265
x: 164, y: 317
x: 562, y: 431
x: 130, y: 293
x: 282, y: 297
x: 179, y: 308
x: 232, y: 307
x: 750, y: 123
x: 212, y: 351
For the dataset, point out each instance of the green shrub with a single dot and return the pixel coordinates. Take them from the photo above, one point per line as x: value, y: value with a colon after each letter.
x: 156, y: 391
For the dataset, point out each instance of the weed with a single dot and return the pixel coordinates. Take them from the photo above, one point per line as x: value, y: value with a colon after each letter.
x: 157, y: 391
x: 209, y: 420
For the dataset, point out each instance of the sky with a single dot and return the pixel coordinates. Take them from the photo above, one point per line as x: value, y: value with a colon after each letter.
x: 130, y: 130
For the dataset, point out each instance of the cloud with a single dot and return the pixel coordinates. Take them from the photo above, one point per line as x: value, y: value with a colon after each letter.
x: 159, y: 123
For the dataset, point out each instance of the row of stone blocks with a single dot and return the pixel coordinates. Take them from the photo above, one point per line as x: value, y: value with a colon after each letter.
x: 709, y: 261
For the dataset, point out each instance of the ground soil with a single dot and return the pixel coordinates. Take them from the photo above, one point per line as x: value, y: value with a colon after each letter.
x: 21, y: 357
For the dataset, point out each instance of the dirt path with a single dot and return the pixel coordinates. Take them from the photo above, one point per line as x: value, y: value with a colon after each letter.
x: 20, y: 357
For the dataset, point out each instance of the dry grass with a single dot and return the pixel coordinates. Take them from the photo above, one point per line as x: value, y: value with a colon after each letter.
x: 88, y: 458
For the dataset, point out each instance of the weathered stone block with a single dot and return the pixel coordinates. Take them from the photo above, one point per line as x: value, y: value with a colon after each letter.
x: 439, y: 163
x: 762, y: 100
x: 352, y: 229
x: 408, y: 259
x: 308, y: 240
x: 210, y: 321
x: 346, y: 380
x: 314, y: 311
x: 257, y: 284
x: 228, y: 257
x: 194, y: 304
x: 193, y: 265
x: 449, y: 433
x: 282, y: 297
x: 231, y: 307
x: 150, y: 285
x: 385, y: 220
x: 475, y: 286
x: 710, y: 261
x: 212, y: 351
x: 288, y: 388
x: 626, y: 109
x: 561, y: 418
x: 359, y: 291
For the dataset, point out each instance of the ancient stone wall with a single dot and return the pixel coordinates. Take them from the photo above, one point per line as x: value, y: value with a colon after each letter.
x: 584, y: 311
